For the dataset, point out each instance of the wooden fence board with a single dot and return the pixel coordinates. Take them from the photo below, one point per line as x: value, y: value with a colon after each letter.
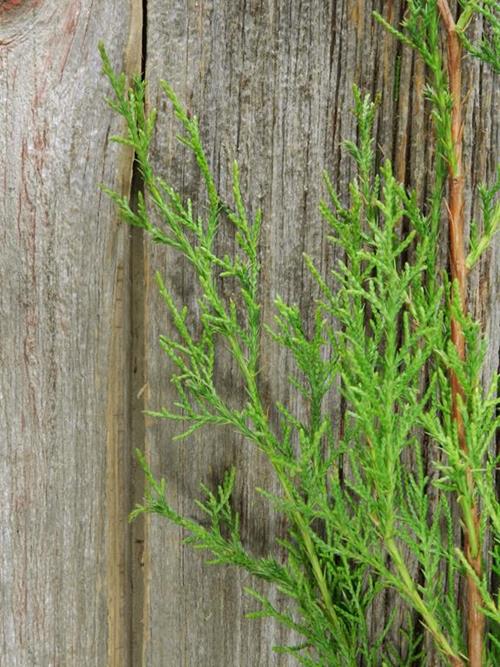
x: 63, y: 337
x: 271, y: 84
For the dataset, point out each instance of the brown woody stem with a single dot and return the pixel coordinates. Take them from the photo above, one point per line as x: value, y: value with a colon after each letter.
x: 475, y: 619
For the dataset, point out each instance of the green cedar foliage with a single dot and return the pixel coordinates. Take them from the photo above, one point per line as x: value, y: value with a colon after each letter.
x: 353, y: 506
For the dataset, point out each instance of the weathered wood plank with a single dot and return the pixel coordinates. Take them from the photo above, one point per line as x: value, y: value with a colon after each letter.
x: 64, y: 337
x: 271, y: 83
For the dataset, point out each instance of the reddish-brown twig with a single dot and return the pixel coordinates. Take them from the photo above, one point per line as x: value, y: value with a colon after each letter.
x: 475, y: 619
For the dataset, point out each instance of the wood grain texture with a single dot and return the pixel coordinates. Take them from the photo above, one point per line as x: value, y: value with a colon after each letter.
x: 79, y: 357
x: 64, y: 555
x: 271, y: 84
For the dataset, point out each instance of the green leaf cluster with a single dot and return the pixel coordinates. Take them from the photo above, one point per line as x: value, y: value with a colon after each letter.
x: 357, y: 506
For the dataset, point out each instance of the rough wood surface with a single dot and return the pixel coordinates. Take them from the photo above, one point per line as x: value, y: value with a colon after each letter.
x: 271, y: 83
x: 79, y: 357
x: 64, y: 333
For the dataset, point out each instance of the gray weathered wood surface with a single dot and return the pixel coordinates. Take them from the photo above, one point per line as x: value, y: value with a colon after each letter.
x: 64, y: 338
x: 271, y: 84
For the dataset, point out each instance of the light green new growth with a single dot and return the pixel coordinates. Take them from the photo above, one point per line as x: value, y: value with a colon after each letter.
x: 354, y: 506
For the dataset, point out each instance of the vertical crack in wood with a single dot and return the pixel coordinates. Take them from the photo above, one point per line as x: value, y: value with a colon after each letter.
x: 119, y: 560
x: 138, y: 528
x: 138, y: 393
